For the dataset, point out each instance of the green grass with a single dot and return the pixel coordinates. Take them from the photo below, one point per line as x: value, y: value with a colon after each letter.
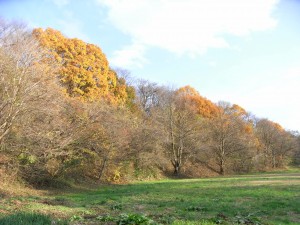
x: 250, y: 199
x: 28, y: 219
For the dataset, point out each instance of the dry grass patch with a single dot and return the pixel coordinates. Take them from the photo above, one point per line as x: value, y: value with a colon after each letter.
x: 275, y: 182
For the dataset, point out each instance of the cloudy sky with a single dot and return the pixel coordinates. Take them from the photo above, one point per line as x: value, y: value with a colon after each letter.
x: 245, y: 52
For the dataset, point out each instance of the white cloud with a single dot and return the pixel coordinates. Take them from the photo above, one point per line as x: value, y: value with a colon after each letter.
x: 131, y: 55
x: 189, y: 26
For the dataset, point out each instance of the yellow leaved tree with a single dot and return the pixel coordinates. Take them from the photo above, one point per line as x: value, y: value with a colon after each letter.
x: 85, y: 72
x: 196, y: 102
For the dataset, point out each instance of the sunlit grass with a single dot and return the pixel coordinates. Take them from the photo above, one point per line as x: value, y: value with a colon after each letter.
x: 267, y: 198
x: 273, y: 199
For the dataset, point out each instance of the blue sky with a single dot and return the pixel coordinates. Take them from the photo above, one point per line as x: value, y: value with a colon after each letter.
x: 245, y: 52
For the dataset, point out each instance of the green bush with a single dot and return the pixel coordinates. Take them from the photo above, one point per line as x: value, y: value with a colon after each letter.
x: 106, y: 218
x: 127, y: 219
x: 137, y: 219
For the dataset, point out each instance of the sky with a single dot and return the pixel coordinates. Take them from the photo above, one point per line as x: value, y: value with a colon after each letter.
x: 244, y: 52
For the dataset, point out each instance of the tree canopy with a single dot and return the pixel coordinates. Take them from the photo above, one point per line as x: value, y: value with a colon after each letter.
x: 196, y: 102
x: 85, y: 71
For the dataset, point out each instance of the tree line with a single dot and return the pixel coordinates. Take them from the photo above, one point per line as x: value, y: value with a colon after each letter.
x: 66, y: 115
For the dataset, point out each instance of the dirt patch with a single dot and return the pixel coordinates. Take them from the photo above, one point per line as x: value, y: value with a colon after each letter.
x: 55, y: 202
x: 262, y: 182
x: 294, y: 217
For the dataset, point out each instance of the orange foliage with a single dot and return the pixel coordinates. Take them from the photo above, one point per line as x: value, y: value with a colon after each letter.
x: 196, y: 102
x: 85, y: 72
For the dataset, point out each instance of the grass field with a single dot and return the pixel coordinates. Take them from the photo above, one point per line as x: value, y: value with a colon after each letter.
x: 270, y: 198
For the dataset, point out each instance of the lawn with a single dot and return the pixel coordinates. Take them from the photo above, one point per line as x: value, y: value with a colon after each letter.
x: 250, y: 199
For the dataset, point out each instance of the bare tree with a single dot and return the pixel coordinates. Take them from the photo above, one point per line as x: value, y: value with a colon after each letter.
x: 124, y: 74
x: 275, y: 142
x: 24, y: 74
x: 226, y: 135
x: 148, y: 95
x: 180, y: 125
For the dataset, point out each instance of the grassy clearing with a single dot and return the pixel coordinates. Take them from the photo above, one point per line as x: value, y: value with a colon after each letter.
x: 251, y: 199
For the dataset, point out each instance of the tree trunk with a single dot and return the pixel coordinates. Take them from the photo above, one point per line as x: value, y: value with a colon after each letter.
x: 176, y: 168
x: 222, y: 167
x: 102, y: 168
x: 274, y: 161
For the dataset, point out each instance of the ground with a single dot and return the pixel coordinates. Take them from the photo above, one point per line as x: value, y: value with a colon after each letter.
x: 268, y: 198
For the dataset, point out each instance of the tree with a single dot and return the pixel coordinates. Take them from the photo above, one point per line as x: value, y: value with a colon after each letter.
x: 148, y: 95
x: 202, y: 106
x: 275, y: 142
x: 102, y: 139
x: 85, y: 71
x: 180, y: 125
x: 296, y: 153
x: 147, y: 147
x: 25, y: 71
x: 125, y: 79
x: 29, y: 99
x: 227, y: 134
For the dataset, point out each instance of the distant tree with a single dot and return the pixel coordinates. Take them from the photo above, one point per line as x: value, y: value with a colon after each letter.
x: 202, y: 106
x: 296, y: 153
x: 227, y: 135
x: 180, y: 125
x: 148, y: 95
x: 274, y: 142
x: 124, y: 79
x: 147, y: 146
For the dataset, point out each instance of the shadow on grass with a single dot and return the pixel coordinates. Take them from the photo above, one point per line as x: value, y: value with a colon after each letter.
x: 29, y: 219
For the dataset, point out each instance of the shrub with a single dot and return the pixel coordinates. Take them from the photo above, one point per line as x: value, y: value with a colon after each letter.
x: 136, y: 219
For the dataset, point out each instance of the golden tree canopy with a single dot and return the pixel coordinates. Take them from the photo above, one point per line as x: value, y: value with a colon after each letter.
x: 196, y: 102
x: 85, y: 71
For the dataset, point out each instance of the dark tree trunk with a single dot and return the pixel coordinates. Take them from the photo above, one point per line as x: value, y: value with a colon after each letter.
x: 274, y: 161
x: 176, y: 168
x: 222, y: 167
x: 102, y: 168
x: 222, y: 172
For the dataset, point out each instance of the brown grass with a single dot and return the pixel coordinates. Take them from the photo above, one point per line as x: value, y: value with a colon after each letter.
x: 11, y: 186
x: 275, y: 182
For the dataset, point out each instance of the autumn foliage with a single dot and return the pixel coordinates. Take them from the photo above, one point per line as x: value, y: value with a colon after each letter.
x: 85, y: 71
x: 196, y: 102
x: 62, y: 118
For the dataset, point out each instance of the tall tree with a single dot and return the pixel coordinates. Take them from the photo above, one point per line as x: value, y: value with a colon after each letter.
x: 275, y: 142
x: 227, y: 134
x: 25, y: 71
x: 85, y: 71
x: 195, y: 102
x: 180, y: 124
